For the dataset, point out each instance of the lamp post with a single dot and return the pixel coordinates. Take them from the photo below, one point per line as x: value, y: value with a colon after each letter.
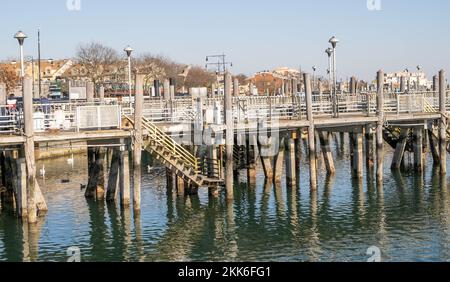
x: 418, y: 78
x: 314, y: 68
x: 20, y: 36
x: 129, y: 50
x: 334, y: 41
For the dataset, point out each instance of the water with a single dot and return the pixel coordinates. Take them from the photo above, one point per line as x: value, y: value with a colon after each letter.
x: 408, y: 220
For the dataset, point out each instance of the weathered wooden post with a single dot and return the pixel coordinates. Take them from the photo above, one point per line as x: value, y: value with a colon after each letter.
x: 172, y: 87
x: 370, y: 164
x: 90, y: 91
x: 21, y: 193
x: 34, y: 195
x: 156, y: 85
x: 166, y: 89
x: 357, y: 155
x: 235, y: 87
x: 324, y: 138
x: 137, y: 141
x: 101, y: 94
x: 2, y: 94
x: 399, y: 153
x: 113, y: 179
x: 353, y: 85
x: 435, y: 83
x: 294, y: 87
x: 402, y: 84
x: 229, y: 136
x: 278, y: 160
x: 291, y: 175
x: 380, y: 124
x: 418, y: 149
x: 443, y: 125
x: 124, y: 176
x: 251, y: 152
x: 311, y: 130
x: 213, y: 90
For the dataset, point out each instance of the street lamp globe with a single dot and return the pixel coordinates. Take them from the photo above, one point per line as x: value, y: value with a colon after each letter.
x: 334, y: 41
x: 128, y: 50
x: 329, y: 52
x: 20, y: 36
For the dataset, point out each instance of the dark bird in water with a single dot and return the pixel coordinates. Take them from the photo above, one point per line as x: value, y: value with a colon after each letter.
x: 82, y: 187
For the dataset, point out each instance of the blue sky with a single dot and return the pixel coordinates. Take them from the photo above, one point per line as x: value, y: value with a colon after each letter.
x: 255, y: 34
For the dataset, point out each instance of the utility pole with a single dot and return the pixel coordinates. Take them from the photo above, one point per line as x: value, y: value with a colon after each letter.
x: 39, y: 63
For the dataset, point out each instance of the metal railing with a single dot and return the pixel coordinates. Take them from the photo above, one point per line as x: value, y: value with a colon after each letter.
x: 64, y: 115
x: 160, y: 138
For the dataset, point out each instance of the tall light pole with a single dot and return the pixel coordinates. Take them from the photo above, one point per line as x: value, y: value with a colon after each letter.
x: 20, y: 36
x: 314, y: 76
x: 39, y: 62
x: 334, y: 41
x: 418, y: 78
x: 129, y: 50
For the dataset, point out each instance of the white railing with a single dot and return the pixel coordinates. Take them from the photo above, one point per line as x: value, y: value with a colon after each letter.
x: 66, y: 116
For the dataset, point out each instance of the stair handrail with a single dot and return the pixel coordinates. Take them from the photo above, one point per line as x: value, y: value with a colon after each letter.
x: 169, y: 143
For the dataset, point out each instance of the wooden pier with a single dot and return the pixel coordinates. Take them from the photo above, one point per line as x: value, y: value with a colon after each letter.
x: 203, y: 142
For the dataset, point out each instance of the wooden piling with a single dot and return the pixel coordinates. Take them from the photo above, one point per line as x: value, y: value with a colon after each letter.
x: 397, y: 159
x: 21, y: 193
x: 113, y: 179
x: 291, y: 175
x: 358, y: 155
x: 137, y: 141
x: 180, y: 186
x: 418, y: 149
x: 311, y: 130
x: 96, y: 183
x: 229, y: 139
x: 124, y: 178
x: 235, y: 87
x: 278, y: 162
x: 370, y: 164
x: 380, y: 125
x: 90, y: 91
x: 324, y: 138
x: 101, y: 94
x: 434, y: 146
x: 34, y: 203
x: 443, y: 125
x: 250, y: 158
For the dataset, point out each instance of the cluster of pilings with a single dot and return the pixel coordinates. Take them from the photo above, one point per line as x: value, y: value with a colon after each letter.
x: 274, y: 151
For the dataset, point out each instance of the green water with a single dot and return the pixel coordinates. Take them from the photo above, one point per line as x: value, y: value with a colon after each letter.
x: 408, y: 219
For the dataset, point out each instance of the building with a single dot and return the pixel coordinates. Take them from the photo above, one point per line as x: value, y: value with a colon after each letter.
x: 277, y: 82
x: 393, y: 80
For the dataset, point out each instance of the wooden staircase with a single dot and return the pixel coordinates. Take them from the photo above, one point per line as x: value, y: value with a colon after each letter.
x: 177, y: 158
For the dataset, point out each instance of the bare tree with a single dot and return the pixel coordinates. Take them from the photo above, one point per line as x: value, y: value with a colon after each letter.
x: 242, y: 78
x: 98, y: 61
x: 199, y: 77
x: 8, y: 77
